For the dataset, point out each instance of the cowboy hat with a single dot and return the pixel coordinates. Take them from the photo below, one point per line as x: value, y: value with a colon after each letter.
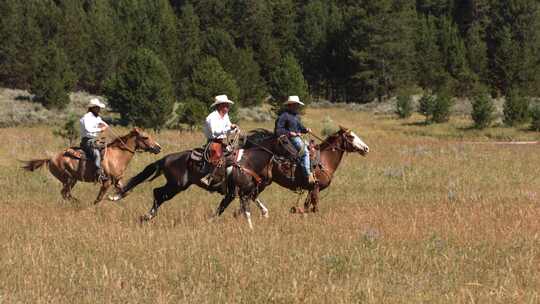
x: 221, y: 99
x: 293, y: 100
x: 94, y: 102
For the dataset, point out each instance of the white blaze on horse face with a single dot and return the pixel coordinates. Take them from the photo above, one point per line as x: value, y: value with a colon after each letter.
x: 359, y: 144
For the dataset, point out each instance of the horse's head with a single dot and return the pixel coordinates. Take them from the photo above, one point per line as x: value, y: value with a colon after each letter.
x: 143, y: 142
x: 348, y: 141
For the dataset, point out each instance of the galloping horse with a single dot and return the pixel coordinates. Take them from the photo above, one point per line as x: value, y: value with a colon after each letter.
x: 248, y: 174
x: 68, y: 167
x: 331, y: 154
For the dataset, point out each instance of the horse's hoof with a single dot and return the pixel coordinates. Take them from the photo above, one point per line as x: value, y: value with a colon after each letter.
x: 295, y: 210
x: 115, y: 198
x: 265, y: 215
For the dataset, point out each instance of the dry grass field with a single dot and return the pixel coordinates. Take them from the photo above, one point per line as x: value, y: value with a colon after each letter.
x: 428, y: 216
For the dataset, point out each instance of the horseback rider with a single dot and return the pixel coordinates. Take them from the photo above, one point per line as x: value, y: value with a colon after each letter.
x: 91, y: 127
x: 216, y: 128
x: 288, y: 123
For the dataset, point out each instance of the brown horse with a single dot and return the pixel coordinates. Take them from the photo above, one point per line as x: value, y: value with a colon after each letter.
x: 248, y: 173
x: 69, y: 166
x: 331, y: 154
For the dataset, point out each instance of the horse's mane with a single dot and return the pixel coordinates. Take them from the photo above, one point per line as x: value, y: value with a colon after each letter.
x: 257, y: 136
x: 329, y: 141
x: 119, y: 141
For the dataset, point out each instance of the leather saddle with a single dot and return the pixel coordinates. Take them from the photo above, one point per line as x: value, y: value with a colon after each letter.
x: 198, y: 155
x: 289, y: 167
x: 78, y: 153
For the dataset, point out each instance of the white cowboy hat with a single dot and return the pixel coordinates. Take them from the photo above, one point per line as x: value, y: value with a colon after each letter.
x: 94, y: 102
x: 221, y: 99
x: 294, y: 99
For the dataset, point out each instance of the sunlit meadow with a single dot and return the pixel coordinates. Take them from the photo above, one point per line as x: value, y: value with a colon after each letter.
x: 435, y: 214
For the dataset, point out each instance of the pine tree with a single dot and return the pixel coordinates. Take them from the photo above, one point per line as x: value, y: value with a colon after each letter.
x: 514, y: 35
x: 52, y: 78
x: 20, y: 33
x: 430, y: 72
x: 189, y: 51
x: 210, y: 79
x: 515, y: 108
x: 142, y: 93
x: 483, y: 110
x: 104, y: 51
x: 255, y: 31
x: 287, y: 80
x: 73, y: 36
x: 247, y: 74
x: 383, y: 50
x: 477, y: 51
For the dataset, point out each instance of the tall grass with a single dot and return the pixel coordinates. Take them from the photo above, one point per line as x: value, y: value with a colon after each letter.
x: 423, y: 218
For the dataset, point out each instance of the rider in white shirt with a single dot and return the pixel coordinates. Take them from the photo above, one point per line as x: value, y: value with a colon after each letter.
x: 216, y: 127
x: 91, y: 126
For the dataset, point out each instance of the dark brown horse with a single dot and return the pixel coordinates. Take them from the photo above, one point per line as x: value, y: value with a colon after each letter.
x: 248, y: 173
x: 69, y: 166
x: 331, y: 154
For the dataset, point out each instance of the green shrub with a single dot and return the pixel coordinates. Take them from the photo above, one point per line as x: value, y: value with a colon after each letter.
x: 192, y: 113
x: 404, y: 106
x: 426, y: 106
x: 69, y: 131
x: 515, y: 108
x: 483, y: 110
x: 436, y: 108
x: 329, y: 127
x: 142, y: 93
x: 442, y: 108
x: 535, y: 118
x: 52, y: 78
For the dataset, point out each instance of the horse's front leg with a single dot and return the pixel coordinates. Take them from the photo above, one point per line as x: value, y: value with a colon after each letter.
x: 314, y: 198
x: 104, y: 187
x: 244, y: 205
x: 262, y: 207
x: 117, y: 196
x: 225, y: 202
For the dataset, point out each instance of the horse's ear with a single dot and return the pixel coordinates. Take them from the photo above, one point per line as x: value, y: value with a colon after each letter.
x: 342, y: 128
x: 135, y: 130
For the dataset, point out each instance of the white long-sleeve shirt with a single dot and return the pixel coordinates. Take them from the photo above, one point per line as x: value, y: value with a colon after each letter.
x: 90, y: 125
x: 217, y: 127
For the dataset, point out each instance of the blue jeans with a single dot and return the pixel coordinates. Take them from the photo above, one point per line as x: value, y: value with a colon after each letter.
x: 304, y: 160
x: 88, y: 145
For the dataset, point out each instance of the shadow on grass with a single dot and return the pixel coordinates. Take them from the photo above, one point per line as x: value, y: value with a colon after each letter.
x: 24, y: 97
x: 416, y: 124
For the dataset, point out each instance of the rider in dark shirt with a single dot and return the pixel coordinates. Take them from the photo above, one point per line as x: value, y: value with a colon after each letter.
x: 288, y: 123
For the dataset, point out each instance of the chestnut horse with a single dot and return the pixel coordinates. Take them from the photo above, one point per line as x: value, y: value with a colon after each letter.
x: 331, y: 153
x: 68, y: 167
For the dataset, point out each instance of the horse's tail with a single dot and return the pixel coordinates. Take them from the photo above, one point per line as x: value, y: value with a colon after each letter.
x: 151, y: 172
x: 34, y: 164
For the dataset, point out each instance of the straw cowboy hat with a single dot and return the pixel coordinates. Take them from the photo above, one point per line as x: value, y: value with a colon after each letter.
x: 293, y: 100
x: 221, y: 99
x: 94, y: 102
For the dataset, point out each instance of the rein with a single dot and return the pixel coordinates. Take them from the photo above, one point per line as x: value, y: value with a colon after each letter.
x: 333, y: 146
x: 121, y: 141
